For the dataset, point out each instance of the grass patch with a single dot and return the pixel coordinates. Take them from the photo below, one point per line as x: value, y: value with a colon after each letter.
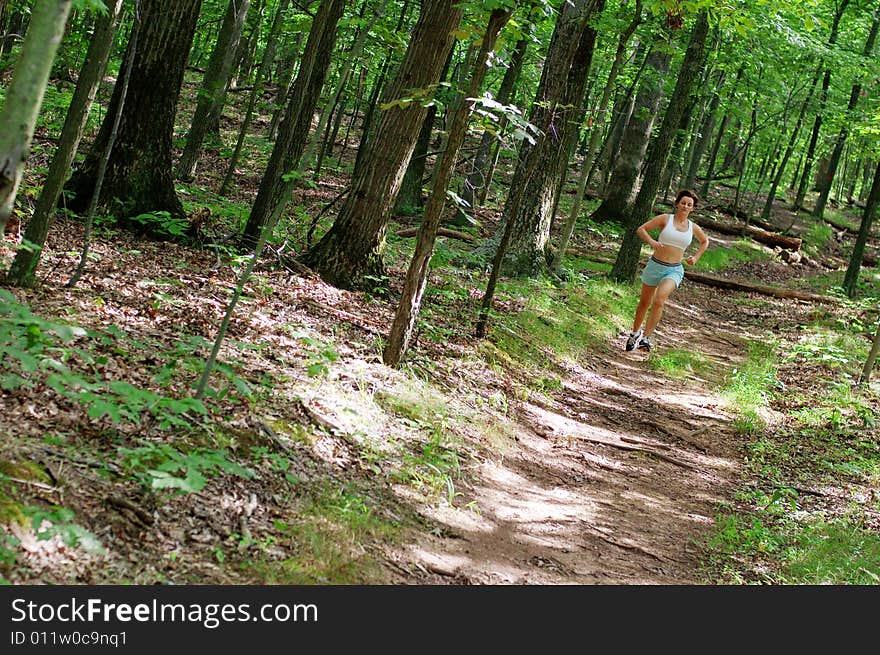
x: 679, y: 364
x: 327, y: 540
x: 743, y: 250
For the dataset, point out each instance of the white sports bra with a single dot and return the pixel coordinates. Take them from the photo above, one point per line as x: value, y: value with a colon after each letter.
x: 670, y: 236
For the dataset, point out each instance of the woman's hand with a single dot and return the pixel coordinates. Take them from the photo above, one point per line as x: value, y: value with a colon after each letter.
x: 691, y: 260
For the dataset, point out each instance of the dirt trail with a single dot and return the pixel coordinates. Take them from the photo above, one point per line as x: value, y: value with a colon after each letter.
x: 617, y: 477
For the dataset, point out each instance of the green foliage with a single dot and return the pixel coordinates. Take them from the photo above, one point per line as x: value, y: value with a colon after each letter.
x: 743, y: 250
x: 747, y: 388
x: 162, y: 466
x: 319, y: 356
x: 162, y: 223
x: 58, y: 521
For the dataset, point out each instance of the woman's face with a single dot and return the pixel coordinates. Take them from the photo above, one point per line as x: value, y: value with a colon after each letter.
x: 686, y: 204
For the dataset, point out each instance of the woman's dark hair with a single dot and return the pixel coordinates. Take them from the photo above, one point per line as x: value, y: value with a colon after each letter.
x: 689, y: 194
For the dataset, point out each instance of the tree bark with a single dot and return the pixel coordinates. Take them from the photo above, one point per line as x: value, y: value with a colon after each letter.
x: 623, y: 184
x: 21, y: 273
x: 417, y: 274
x: 214, y: 85
x: 139, y: 175
x: 624, y: 268
x: 593, y: 145
x: 293, y: 132
x: 352, y: 249
x: 559, y: 96
x: 24, y: 97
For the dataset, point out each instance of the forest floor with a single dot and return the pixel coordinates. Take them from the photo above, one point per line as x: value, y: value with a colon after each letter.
x: 614, y: 475
x: 317, y: 464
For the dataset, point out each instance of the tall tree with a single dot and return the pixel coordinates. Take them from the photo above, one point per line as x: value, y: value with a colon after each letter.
x: 293, y: 132
x: 855, y: 93
x: 21, y: 272
x: 855, y: 261
x: 624, y: 268
x: 623, y: 185
x: 417, y: 274
x: 18, y: 118
x: 817, y: 122
x: 139, y: 176
x: 214, y: 85
x: 352, y: 248
x: 560, y: 95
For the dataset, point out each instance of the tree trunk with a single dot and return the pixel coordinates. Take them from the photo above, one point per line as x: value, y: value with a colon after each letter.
x: 623, y: 184
x: 561, y: 88
x: 834, y: 160
x: 210, y: 97
x: 139, y: 173
x: 417, y: 274
x: 293, y: 132
x: 817, y: 123
x: 855, y: 262
x: 21, y: 273
x: 624, y: 268
x: 18, y: 117
x: 256, y: 92
x: 593, y: 145
x: 352, y: 248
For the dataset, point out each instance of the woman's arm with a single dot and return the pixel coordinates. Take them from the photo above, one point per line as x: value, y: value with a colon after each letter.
x: 704, y: 243
x: 659, y: 221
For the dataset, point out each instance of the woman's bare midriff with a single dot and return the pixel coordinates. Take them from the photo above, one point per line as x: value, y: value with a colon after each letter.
x: 669, y: 254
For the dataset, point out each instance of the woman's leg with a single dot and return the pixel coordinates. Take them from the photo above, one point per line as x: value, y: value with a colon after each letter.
x: 642, y: 309
x: 663, y: 291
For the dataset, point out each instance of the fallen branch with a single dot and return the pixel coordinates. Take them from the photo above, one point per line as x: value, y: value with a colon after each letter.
x: 141, y: 514
x: 756, y: 233
x: 443, y: 232
x: 777, y: 292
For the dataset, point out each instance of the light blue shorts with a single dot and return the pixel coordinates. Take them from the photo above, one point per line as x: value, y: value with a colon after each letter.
x: 657, y: 271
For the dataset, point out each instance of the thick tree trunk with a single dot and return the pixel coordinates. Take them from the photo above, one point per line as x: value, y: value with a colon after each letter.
x: 623, y: 185
x: 772, y: 239
x: 624, y: 268
x: 562, y: 85
x: 352, y: 248
x: 139, y: 175
x: 210, y: 98
x: 18, y: 117
x: 593, y: 144
x: 294, y: 130
x: 417, y: 274
x: 21, y: 273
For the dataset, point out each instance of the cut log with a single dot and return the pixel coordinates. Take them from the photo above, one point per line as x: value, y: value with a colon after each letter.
x: 442, y: 232
x: 772, y: 239
x: 777, y: 292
